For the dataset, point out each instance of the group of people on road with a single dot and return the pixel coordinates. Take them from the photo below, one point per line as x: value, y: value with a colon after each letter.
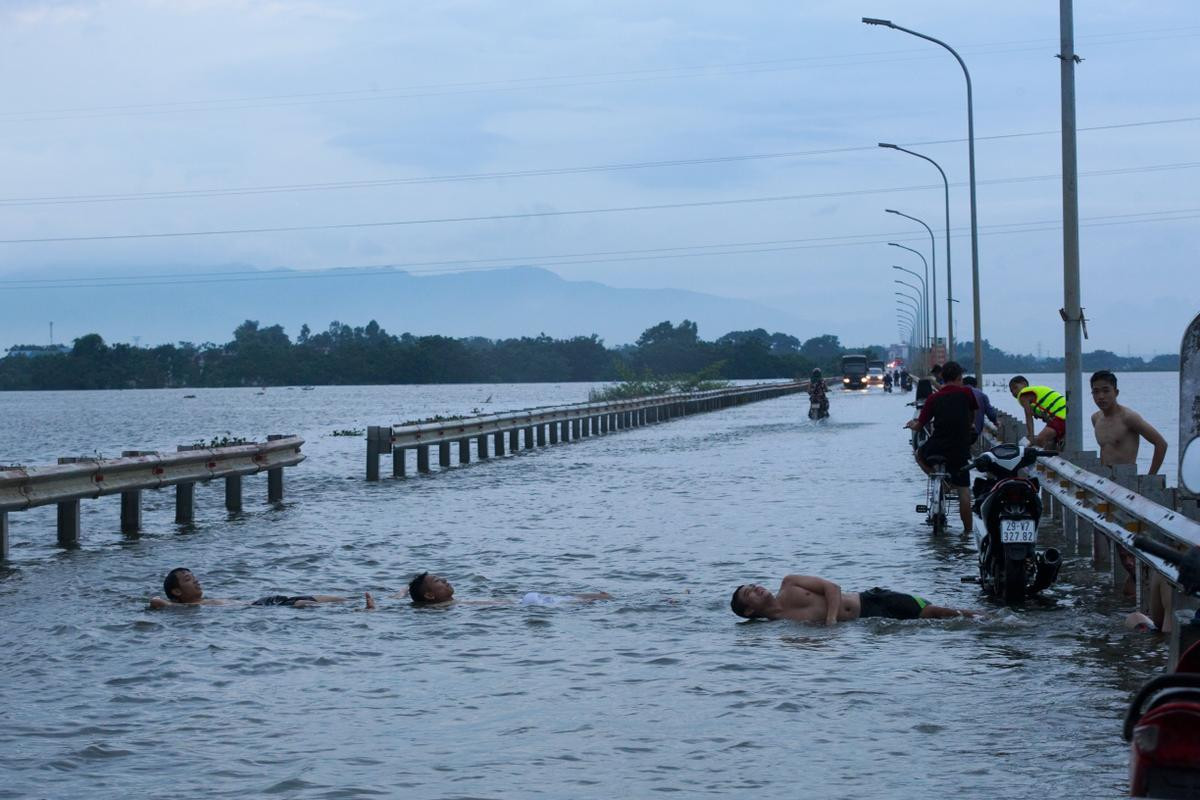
x: 954, y: 414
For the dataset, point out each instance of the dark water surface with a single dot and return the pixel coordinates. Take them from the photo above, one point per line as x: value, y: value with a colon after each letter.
x: 661, y: 690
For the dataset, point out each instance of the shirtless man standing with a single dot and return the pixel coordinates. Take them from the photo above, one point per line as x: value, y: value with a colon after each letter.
x: 1119, y: 430
x: 804, y: 598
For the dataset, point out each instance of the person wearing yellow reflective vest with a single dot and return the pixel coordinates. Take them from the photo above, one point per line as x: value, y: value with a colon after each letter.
x: 1045, y: 404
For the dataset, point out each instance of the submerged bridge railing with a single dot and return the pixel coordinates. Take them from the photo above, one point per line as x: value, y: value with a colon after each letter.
x: 550, y: 425
x: 76, y: 479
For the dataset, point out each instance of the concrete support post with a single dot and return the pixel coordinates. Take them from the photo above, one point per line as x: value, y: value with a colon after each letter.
x: 1083, y: 539
x: 3, y: 536
x: 604, y: 423
x: 185, y: 503
x: 464, y: 451
x: 498, y: 442
x: 1070, y: 523
x: 1101, y: 559
x: 514, y: 440
x: 422, y: 458
x: 575, y: 434
x: 481, y: 449
x: 68, y: 523
x: 553, y: 426
x: 373, y: 453
x: 399, y: 462
x: 529, y: 445
x: 131, y: 511
x: 275, y: 485
x: 444, y: 455
x: 233, y: 493
x: 541, y: 435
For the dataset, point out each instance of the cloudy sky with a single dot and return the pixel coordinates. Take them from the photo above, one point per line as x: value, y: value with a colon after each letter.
x: 477, y: 124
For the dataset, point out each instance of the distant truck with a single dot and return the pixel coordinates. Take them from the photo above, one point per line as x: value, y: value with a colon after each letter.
x: 854, y: 371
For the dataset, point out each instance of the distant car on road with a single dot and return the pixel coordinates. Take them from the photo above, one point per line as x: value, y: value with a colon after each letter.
x: 875, y: 373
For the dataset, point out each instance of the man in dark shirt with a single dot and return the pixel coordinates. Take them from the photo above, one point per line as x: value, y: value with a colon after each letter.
x: 951, y: 409
x: 985, y: 406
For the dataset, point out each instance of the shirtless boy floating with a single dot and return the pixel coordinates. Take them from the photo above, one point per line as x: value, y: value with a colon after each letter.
x: 804, y: 598
x: 183, y: 589
x: 434, y: 590
x: 1119, y: 430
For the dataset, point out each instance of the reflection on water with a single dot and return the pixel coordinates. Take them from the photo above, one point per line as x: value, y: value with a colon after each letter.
x: 661, y: 689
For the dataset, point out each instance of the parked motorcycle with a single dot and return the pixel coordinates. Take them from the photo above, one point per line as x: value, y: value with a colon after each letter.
x: 1009, y: 507
x: 1162, y: 724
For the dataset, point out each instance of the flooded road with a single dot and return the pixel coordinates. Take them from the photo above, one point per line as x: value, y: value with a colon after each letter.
x: 660, y: 690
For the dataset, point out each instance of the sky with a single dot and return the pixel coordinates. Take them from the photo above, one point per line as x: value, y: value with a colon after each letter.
x: 726, y: 148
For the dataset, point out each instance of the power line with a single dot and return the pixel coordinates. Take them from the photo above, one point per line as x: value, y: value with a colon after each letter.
x: 563, y: 81
x: 563, y: 213
x: 595, y: 257
x: 528, y: 173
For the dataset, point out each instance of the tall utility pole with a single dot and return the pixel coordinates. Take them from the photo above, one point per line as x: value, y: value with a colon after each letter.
x: 1072, y: 314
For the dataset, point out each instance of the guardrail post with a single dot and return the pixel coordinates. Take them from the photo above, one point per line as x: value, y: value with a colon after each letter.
x: 399, y: 462
x: 68, y: 523
x: 3, y: 536
x: 373, y: 453
x: 498, y: 443
x: 233, y: 492
x: 275, y: 476
x: 131, y: 511
x: 541, y: 435
x: 481, y: 447
x: 185, y: 503
x: 422, y: 458
x: 464, y: 451
x: 604, y: 423
x: 514, y: 440
x: 444, y: 455
x: 553, y: 426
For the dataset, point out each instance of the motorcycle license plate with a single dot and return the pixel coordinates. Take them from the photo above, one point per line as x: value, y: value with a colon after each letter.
x: 1018, y: 531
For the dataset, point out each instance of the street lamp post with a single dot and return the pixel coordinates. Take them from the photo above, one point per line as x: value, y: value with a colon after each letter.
x: 971, y: 177
x: 926, y: 263
x: 933, y: 254
x: 922, y: 313
x: 922, y: 310
x: 949, y: 282
x: 925, y: 294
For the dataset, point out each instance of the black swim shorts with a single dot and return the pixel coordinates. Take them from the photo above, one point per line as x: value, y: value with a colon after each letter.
x: 282, y: 600
x: 893, y: 605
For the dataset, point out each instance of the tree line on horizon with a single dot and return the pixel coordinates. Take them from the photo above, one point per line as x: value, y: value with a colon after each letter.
x: 345, y: 355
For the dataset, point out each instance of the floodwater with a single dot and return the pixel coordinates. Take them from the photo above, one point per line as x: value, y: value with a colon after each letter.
x: 661, y: 690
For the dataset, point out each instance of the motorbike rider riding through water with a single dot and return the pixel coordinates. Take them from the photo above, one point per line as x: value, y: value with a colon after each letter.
x: 818, y: 399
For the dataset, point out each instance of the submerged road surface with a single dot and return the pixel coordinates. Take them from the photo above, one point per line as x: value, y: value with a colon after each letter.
x: 662, y: 689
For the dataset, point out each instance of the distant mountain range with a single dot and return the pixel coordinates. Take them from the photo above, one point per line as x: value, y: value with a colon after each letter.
x: 519, y: 301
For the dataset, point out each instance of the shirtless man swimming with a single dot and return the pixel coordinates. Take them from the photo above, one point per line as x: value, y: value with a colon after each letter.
x: 183, y: 589
x: 434, y: 590
x: 805, y: 598
x: 1120, y: 430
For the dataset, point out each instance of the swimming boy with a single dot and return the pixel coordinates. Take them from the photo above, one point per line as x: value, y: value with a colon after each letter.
x: 183, y: 589
x: 1045, y: 404
x: 1119, y: 429
x: 434, y: 590
x: 805, y: 598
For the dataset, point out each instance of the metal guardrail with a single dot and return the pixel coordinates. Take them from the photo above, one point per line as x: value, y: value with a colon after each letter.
x: 72, y: 480
x: 1104, y: 512
x: 549, y: 425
